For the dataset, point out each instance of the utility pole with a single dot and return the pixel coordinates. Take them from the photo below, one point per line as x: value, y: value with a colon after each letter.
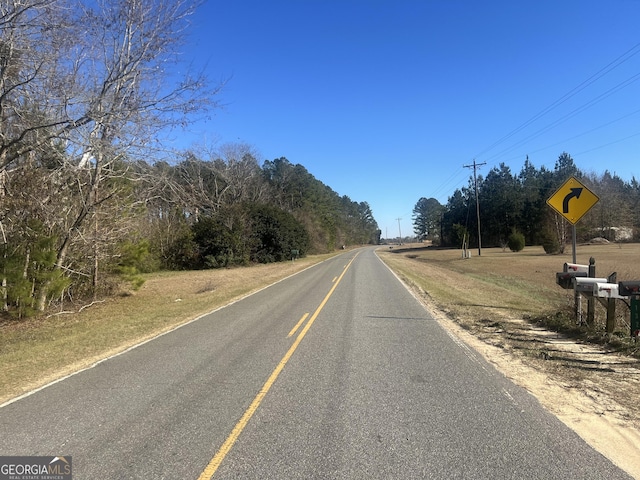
x: 475, y: 181
x: 399, y: 231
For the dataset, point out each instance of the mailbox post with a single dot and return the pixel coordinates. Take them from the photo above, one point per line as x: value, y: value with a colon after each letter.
x: 591, y: 306
x: 607, y: 293
x: 567, y: 278
x: 611, y: 302
x: 585, y: 286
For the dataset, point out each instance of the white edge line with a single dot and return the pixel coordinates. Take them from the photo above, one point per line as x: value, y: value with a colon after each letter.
x: 404, y: 284
x: 468, y: 351
x: 58, y: 380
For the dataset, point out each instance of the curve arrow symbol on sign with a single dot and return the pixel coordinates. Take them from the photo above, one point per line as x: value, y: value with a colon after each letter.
x: 560, y: 201
x: 575, y: 192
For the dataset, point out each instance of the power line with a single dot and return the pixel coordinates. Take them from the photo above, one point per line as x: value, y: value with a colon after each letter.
x: 587, y: 132
x: 569, y: 115
x: 452, y: 179
x: 592, y: 79
x: 610, y: 143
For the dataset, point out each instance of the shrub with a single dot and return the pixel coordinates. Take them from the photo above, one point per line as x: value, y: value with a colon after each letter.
x: 275, y: 233
x: 218, y: 244
x: 182, y: 253
x: 550, y: 244
x: 515, y: 241
x: 134, y: 260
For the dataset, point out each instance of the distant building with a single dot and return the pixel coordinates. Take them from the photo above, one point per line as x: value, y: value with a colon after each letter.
x: 616, y: 234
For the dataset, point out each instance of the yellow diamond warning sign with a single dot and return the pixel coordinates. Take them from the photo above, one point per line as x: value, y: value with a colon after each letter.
x: 572, y: 200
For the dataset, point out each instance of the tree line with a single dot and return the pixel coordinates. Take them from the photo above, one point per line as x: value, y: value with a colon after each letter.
x: 516, y: 203
x: 88, y: 193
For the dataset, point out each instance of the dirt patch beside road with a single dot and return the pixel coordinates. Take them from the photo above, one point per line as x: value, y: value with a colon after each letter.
x: 488, y: 302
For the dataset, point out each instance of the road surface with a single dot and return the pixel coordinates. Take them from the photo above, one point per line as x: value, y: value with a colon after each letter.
x: 334, y: 373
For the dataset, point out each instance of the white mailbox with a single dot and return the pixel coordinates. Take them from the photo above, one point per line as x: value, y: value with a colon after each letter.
x: 576, y: 267
x: 606, y: 290
x: 585, y: 284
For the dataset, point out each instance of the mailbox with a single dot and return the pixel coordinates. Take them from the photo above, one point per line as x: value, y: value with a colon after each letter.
x: 586, y: 284
x: 576, y: 267
x: 629, y: 288
x: 606, y: 290
x: 565, y: 279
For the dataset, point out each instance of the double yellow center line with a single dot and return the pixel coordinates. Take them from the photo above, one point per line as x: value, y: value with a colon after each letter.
x: 215, y: 462
x: 295, y: 329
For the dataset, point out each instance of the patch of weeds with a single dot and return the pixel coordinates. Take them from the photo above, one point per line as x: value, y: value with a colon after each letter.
x: 564, y: 322
x: 621, y: 342
x: 560, y: 321
x: 208, y: 287
x: 490, y: 323
x: 545, y: 355
x: 527, y: 351
x: 465, y: 326
x: 525, y: 338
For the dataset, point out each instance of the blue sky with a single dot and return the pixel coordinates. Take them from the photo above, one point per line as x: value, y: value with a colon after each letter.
x: 387, y: 101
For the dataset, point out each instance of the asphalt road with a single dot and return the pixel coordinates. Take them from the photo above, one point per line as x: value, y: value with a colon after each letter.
x: 367, y: 386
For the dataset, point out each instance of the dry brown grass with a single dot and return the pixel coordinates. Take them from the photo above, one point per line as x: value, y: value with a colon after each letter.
x: 37, y: 351
x: 517, y: 283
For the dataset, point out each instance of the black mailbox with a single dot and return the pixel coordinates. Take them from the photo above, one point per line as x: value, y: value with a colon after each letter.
x: 565, y: 279
x: 629, y: 288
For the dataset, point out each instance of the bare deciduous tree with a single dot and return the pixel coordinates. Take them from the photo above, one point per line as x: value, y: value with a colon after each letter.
x: 97, y: 80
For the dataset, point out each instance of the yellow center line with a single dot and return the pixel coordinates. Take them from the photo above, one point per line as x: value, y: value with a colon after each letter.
x: 215, y: 462
x: 295, y: 329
